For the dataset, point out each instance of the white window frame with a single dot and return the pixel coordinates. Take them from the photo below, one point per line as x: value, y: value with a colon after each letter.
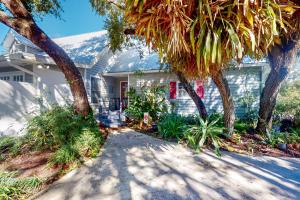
x: 91, y: 86
x: 121, y: 87
x: 12, y: 74
x: 177, y: 91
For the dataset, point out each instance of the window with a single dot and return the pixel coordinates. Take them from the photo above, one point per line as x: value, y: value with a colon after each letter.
x: 4, y: 78
x: 95, y: 89
x: 177, y: 90
x: 182, y: 94
x: 18, y: 78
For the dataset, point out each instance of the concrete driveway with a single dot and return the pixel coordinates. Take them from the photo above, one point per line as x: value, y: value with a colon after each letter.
x: 136, y: 166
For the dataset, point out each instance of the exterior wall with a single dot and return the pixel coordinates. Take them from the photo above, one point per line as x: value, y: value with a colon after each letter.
x: 11, y: 70
x: 241, y: 81
x: 17, y: 102
x: 20, y: 100
x: 53, y: 87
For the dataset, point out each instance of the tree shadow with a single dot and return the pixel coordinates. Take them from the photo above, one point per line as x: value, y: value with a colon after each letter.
x: 137, y: 166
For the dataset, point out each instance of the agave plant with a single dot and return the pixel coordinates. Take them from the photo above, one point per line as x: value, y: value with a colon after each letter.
x: 198, y: 135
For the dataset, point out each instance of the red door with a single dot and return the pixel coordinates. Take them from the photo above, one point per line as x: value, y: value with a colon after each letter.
x: 123, y: 94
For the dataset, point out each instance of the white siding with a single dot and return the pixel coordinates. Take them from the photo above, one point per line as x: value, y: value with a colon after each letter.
x: 240, y: 81
x: 53, y: 86
x: 17, y: 102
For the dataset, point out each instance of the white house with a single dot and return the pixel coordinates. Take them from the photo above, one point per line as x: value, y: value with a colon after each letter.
x: 29, y: 79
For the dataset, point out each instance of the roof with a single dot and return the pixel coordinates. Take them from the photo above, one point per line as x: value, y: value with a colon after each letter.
x: 86, y: 49
x: 131, y: 59
x: 82, y: 48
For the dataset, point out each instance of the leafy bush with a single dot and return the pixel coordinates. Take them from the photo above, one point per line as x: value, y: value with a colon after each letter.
x: 206, y: 132
x: 12, y: 187
x: 88, y: 142
x: 242, y: 126
x: 65, y: 154
x: 191, y: 119
x: 6, y: 143
x: 171, y: 126
x: 247, y: 103
x: 151, y: 100
x: 275, y: 138
x: 59, y: 129
x: 288, y: 102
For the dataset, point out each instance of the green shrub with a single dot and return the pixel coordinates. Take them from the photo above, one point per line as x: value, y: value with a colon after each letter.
x: 242, y: 126
x: 205, y: 132
x: 275, y: 138
x: 6, y: 143
x: 191, y: 119
x: 12, y: 187
x: 59, y: 129
x: 88, y: 142
x: 171, y: 126
x: 288, y: 101
x: 151, y: 100
x: 65, y: 154
x: 247, y: 103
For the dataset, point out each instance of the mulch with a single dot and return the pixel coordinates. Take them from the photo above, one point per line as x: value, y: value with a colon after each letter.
x: 244, y: 144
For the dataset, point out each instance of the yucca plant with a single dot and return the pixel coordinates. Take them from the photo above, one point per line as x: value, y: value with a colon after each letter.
x: 206, y: 131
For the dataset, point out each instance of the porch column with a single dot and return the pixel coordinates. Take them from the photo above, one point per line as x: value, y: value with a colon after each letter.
x: 128, y: 87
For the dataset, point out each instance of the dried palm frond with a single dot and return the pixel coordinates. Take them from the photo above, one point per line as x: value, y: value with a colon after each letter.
x: 200, y: 37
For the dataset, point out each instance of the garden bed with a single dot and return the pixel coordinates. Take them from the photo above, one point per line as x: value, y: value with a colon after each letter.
x: 254, y: 145
x: 243, y: 144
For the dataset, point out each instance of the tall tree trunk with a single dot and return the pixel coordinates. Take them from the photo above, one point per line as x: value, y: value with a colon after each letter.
x: 190, y: 90
x: 281, y: 58
x: 228, y: 105
x: 23, y: 23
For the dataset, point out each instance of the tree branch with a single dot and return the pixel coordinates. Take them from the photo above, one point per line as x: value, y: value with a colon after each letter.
x: 17, y: 8
x: 7, y: 20
x: 116, y: 4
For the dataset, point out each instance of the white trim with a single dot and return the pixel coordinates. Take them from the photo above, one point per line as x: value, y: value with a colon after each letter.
x: 121, y: 93
x: 177, y: 91
x: 121, y: 87
x: 84, y: 75
x: 21, y: 68
x: 11, y: 75
x: 128, y: 85
x: 126, y: 73
x: 91, y: 87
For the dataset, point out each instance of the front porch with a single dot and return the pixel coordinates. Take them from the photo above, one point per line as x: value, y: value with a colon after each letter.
x: 113, y: 93
x: 112, y: 99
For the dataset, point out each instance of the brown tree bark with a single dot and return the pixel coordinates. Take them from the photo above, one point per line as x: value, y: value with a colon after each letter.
x: 190, y: 90
x: 23, y: 23
x: 228, y: 105
x: 281, y: 58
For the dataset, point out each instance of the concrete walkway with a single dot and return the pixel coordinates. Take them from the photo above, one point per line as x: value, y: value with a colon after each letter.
x: 136, y: 166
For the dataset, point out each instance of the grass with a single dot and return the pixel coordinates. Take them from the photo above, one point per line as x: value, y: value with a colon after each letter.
x: 12, y: 187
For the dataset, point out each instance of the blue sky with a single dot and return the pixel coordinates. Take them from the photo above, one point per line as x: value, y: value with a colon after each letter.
x: 78, y: 17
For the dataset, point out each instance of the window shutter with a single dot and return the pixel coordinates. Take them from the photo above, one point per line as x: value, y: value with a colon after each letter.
x: 173, y: 90
x: 200, y: 89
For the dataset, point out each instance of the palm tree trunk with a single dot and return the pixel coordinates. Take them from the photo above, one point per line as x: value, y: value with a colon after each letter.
x: 190, y: 90
x: 281, y: 57
x: 228, y: 105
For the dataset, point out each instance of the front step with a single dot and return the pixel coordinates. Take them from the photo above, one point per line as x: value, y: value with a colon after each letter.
x: 111, y: 119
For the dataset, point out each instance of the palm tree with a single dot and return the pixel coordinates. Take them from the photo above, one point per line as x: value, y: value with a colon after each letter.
x: 282, y: 57
x: 199, y: 38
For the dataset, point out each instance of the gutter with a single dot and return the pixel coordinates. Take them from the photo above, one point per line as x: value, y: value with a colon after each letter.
x: 130, y: 73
